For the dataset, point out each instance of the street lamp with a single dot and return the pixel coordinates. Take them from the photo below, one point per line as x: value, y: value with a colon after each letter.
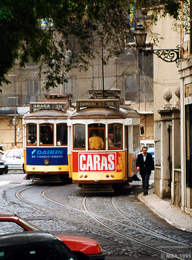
x: 168, y: 55
x: 15, y: 123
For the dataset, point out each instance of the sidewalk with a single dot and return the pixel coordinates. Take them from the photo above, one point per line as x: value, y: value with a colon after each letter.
x: 165, y: 210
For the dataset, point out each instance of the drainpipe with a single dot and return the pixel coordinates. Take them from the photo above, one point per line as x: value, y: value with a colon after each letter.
x: 169, y: 156
x: 183, y: 145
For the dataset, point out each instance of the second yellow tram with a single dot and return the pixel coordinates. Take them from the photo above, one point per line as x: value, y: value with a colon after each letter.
x: 105, y: 139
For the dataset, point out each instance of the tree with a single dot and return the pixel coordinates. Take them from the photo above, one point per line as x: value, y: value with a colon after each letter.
x: 92, y: 24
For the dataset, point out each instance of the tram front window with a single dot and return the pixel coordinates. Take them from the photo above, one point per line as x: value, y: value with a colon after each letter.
x: 46, y: 134
x: 62, y: 134
x: 32, y: 134
x: 96, y: 136
x: 115, y: 136
x: 79, y: 136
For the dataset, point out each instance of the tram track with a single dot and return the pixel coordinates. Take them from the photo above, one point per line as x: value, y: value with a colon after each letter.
x: 60, y: 215
x: 110, y: 227
x: 179, y: 244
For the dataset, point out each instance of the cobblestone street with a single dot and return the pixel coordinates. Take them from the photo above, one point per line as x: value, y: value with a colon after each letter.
x: 124, y: 227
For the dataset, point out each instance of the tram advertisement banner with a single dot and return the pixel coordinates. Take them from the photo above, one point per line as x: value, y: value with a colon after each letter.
x: 36, y: 155
x: 93, y: 162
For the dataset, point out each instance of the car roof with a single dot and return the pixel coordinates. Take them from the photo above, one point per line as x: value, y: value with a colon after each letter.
x: 15, y: 239
x: 7, y: 217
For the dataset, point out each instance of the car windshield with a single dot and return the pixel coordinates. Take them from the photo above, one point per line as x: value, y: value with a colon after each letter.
x: 9, y: 226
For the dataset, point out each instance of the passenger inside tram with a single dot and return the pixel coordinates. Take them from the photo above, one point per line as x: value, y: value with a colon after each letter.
x: 33, y: 139
x: 111, y: 139
x: 115, y: 136
x: 47, y: 137
x: 95, y: 142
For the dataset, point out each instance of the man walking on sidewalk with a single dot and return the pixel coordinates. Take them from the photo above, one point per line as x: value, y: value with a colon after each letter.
x: 145, y: 165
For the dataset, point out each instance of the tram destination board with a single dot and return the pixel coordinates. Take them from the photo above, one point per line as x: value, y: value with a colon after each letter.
x: 99, y: 103
x: 47, y: 106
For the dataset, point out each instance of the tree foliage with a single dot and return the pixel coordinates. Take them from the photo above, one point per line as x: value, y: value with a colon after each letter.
x: 92, y: 24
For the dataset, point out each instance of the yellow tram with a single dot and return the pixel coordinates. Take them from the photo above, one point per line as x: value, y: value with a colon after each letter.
x: 46, y: 139
x: 105, y: 139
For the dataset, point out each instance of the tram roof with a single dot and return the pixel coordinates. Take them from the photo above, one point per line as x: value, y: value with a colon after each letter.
x: 46, y: 113
x: 109, y: 112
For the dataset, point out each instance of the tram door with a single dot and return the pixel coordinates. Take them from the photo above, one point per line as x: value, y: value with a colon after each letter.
x: 189, y: 145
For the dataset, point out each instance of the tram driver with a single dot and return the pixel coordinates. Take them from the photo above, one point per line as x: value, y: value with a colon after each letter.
x: 47, y: 136
x: 96, y: 142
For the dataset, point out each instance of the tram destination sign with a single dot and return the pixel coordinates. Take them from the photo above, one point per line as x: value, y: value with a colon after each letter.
x: 47, y: 106
x: 97, y: 103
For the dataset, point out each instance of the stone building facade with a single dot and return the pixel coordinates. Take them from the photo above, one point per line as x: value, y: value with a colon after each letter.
x: 131, y: 73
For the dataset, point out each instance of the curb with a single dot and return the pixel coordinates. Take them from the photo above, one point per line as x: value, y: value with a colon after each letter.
x: 170, y: 213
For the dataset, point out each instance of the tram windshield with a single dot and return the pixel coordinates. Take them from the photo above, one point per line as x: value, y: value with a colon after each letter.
x: 32, y: 134
x: 46, y: 134
x: 96, y: 135
x: 79, y: 136
x: 62, y: 134
x: 115, y: 136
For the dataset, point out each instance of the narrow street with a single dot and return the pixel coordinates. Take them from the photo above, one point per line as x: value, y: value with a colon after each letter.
x: 124, y: 227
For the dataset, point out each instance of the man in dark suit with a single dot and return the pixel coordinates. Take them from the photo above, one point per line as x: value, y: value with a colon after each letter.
x: 145, y: 165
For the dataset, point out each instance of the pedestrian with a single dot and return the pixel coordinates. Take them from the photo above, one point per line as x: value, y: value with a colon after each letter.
x: 145, y: 165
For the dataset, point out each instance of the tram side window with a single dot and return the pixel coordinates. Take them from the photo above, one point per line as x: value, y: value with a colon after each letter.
x: 46, y: 134
x: 79, y: 136
x: 62, y: 134
x: 115, y: 133
x: 96, y: 136
x: 31, y: 134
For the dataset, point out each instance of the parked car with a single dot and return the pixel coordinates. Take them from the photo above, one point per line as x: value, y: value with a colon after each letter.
x: 3, y: 167
x: 33, y: 245
x: 83, y: 248
x: 151, y: 151
x: 1, y: 153
x: 148, y: 143
x: 14, y: 159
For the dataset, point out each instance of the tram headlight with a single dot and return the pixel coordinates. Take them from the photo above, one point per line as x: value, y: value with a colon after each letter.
x: 46, y: 162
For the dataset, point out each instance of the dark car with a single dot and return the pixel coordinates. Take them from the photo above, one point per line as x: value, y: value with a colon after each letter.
x: 84, y: 248
x: 3, y: 167
x: 33, y: 245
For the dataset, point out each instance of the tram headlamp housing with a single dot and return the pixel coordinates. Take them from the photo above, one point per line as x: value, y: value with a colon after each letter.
x: 46, y: 161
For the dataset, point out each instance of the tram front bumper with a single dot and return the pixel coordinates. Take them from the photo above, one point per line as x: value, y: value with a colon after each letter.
x: 98, y: 177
